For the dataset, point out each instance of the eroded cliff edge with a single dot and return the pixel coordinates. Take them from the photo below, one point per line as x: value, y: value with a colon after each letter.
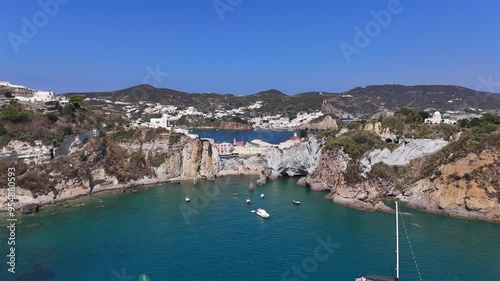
x: 97, y: 161
x: 94, y: 162
x: 459, y: 178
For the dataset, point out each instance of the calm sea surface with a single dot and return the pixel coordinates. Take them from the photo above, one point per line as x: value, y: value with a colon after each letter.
x: 274, y: 137
x: 217, y: 237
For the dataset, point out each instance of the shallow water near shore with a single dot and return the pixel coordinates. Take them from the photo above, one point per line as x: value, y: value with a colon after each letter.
x: 216, y: 237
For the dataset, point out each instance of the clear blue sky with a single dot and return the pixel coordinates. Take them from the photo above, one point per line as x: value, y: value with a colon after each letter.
x: 290, y: 45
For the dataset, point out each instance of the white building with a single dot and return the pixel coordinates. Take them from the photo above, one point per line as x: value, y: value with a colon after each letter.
x: 38, y: 96
x: 159, y: 122
x: 63, y: 101
x: 437, y: 119
x: 44, y: 96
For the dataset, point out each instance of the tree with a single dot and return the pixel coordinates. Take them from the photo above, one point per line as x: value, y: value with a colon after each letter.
x: 52, y: 118
x: 409, y: 115
x: 9, y: 95
x: 424, y: 115
x: 463, y: 123
x: 76, y: 101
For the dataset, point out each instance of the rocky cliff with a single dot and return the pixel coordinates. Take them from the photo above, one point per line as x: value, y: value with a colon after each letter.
x: 402, y: 155
x: 298, y: 160
x: 93, y: 162
x: 468, y: 187
x: 98, y: 164
x: 325, y: 123
x: 37, y: 152
x: 234, y: 126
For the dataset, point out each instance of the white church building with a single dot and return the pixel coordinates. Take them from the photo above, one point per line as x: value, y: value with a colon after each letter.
x: 437, y: 119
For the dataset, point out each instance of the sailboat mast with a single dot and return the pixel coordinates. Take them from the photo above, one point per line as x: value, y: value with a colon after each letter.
x: 397, y: 241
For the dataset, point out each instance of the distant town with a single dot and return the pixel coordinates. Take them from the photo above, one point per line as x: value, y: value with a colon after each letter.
x: 168, y: 116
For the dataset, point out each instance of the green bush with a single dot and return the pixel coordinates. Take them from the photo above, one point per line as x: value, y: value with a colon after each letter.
x: 410, y: 115
x: 124, y: 135
x: 355, y: 143
x: 485, y: 129
x: 394, y: 124
x: 16, y: 116
x: 353, y: 125
x: 174, y: 137
x: 76, y: 101
x: 52, y: 118
x: 150, y: 135
x: 3, y: 131
x: 159, y: 159
x: 447, y: 130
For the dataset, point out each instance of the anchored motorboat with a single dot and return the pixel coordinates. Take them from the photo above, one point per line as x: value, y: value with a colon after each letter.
x: 248, y: 201
x: 262, y: 213
x: 262, y: 195
x: 188, y: 199
x: 296, y: 202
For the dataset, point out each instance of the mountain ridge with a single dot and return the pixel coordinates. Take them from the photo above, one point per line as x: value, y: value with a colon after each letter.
x: 357, y: 102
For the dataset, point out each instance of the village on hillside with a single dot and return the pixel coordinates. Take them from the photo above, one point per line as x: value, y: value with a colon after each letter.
x: 168, y: 116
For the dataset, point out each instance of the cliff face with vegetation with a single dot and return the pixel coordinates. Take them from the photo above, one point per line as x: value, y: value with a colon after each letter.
x: 460, y: 178
x: 75, y: 152
x: 103, y: 163
x: 79, y: 152
x: 468, y: 187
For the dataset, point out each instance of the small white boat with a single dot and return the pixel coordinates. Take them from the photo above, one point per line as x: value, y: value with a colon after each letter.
x: 296, y: 202
x: 188, y: 199
x: 262, y: 213
x: 262, y: 195
x: 248, y: 201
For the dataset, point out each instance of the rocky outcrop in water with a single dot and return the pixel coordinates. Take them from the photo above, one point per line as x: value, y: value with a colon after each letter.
x: 468, y: 187
x: 234, y: 126
x: 331, y: 176
x: 299, y: 160
x: 327, y: 123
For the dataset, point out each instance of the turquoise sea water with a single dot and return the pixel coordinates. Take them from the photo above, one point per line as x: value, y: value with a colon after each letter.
x: 120, y: 236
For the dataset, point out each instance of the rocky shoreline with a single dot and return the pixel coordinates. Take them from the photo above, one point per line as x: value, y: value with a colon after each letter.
x: 462, y: 189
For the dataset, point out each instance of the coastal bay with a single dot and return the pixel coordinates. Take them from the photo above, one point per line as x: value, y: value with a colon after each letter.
x: 216, y: 237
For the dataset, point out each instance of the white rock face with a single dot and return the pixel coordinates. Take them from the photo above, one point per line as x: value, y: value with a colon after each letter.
x: 298, y: 160
x: 19, y: 150
x: 253, y: 165
x: 72, y: 143
x: 38, y: 153
x: 414, y: 148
